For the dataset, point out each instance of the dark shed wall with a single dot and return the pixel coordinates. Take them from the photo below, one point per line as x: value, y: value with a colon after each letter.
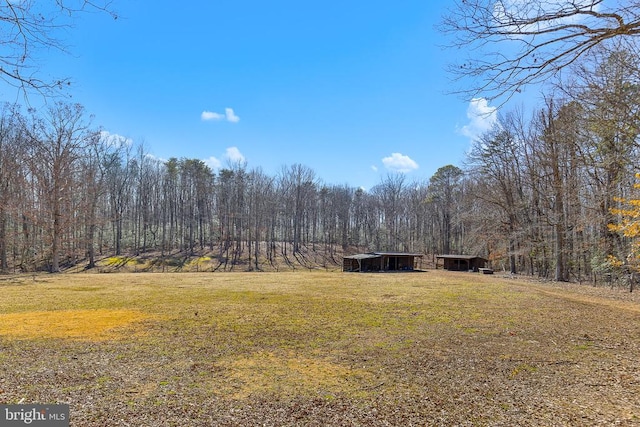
x: 463, y: 263
x: 362, y: 263
x: 456, y: 264
x: 398, y: 262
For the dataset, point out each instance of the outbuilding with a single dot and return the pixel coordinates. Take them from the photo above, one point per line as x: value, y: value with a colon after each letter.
x: 380, y: 261
x: 461, y: 262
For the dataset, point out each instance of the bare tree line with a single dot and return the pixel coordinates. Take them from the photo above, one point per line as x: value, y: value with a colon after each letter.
x: 554, y: 177
x: 552, y: 180
x: 71, y: 194
x: 534, y: 196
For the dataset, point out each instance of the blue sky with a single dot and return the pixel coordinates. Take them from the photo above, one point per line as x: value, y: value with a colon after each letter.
x: 352, y: 89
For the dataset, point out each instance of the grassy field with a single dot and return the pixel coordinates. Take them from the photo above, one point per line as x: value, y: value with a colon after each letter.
x: 318, y: 349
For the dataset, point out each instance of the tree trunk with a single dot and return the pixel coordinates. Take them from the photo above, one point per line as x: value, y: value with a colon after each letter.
x: 55, y: 244
x: 4, y: 267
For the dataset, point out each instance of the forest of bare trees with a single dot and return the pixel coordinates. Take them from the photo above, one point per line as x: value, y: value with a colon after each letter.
x: 72, y: 194
x: 534, y: 196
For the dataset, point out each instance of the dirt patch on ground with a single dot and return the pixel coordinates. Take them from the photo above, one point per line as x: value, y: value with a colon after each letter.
x: 269, y: 373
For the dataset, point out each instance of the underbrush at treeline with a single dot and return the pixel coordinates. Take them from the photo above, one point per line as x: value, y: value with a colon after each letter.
x: 214, y: 261
x: 319, y: 348
x: 280, y: 258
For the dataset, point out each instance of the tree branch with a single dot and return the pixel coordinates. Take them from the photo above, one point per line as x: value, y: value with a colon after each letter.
x: 517, y: 43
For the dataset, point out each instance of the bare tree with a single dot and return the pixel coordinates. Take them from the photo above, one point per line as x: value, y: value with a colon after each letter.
x: 513, y: 43
x: 298, y: 184
x: 119, y: 178
x: 57, y: 143
x: 95, y: 164
x: 11, y: 137
x: 170, y: 203
x: 390, y: 193
x: 495, y: 159
x: 259, y: 194
x: 556, y: 167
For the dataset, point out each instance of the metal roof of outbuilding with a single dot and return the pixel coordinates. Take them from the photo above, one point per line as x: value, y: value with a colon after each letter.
x: 362, y: 256
x: 459, y: 257
x: 379, y: 254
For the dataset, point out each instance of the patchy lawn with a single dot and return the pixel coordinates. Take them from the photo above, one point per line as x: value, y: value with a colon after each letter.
x: 319, y: 348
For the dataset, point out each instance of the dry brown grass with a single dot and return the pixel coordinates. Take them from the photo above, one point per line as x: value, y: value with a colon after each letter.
x: 89, y: 325
x: 319, y: 348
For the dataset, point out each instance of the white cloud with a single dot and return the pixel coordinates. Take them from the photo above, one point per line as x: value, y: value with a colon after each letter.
x: 210, y: 115
x: 231, y: 155
x: 481, y: 117
x: 155, y: 158
x: 234, y: 155
x: 114, y: 139
x: 228, y: 116
x: 398, y: 162
x: 213, y: 163
x: 374, y: 168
